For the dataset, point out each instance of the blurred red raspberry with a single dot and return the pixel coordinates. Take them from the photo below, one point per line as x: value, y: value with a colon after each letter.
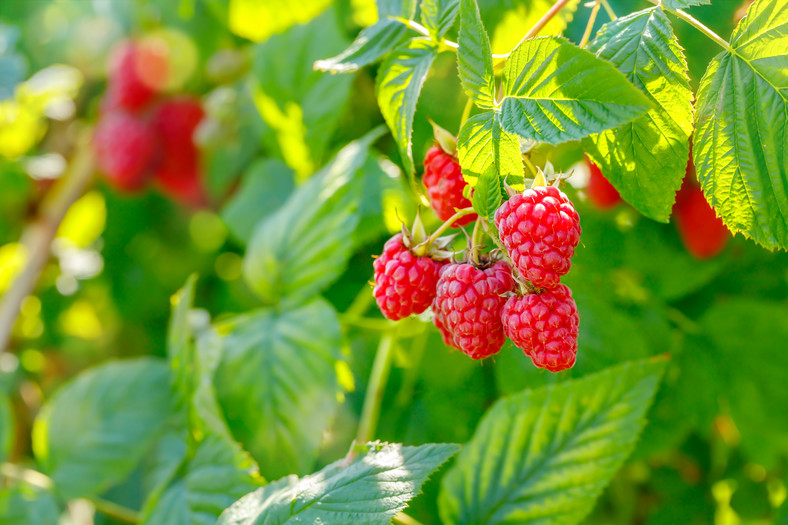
x: 601, y: 193
x: 124, y: 147
x: 137, y: 72
x: 444, y: 182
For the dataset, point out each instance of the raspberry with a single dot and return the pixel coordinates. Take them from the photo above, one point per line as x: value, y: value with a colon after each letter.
x: 137, y: 72
x: 468, y: 306
x: 444, y: 182
x: 124, y: 146
x: 404, y: 283
x: 178, y: 172
x: 702, y: 232
x: 540, y: 229
x: 601, y: 193
x: 544, y: 326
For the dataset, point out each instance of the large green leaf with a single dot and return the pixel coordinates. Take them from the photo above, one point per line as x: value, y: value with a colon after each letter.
x: 277, y: 385
x: 304, y: 246
x: 438, y: 15
x: 554, y: 91
x: 214, y: 471
x: 474, y: 56
x: 265, y: 186
x: 373, y: 42
x: 483, y: 147
x: 6, y: 427
x: 681, y: 4
x: 645, y: 159
x: 398, y: 86
x: 544, y: 455
x: 27, y: 505
x: 83, y: 437
x: 741, y: 136
x: 370, y: 489
x: 301, y: 106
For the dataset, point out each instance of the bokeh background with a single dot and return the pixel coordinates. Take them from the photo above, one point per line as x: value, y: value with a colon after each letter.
x: 716, y: 445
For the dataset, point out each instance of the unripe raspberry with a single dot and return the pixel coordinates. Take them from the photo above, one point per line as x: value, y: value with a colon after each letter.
x: 137, y: 72
x: 178, y: 172
x: 404, y: 283
x: 468, y: 307
x: 544, y: 326
x: 601, y: 193
x: 540, y: 229
x: 444, y: 182
x: 124, y: 147
x: 703, y: 233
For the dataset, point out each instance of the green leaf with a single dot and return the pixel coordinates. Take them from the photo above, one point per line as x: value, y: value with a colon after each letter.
x: 79, y: 438
x: 303, y: 247
x: 484, y: 147
x: 740, y: 147
x: 216, y: 474
x: 474, y: 57
x: 681, y: 4
x: 25, y: 504
x: 487, y: 194
x: 6, y: 427
x: 371, y: 489
x: 214, y: 471
x: 265, y: 186
x: 369, y: 46
x: 259, y: 20
x: 545, y: 455
x: 554, y: 92
x: 276, y: 383
x: 645, y: 159
x: 375, y: 41
x: 398, y: 86
x: 438, y: 16
x: 300, y: 106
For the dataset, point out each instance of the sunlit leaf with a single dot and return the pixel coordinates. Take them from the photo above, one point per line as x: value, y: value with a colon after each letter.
x: 740, y: 147
x: 646, y: 158
x: 370, y: 489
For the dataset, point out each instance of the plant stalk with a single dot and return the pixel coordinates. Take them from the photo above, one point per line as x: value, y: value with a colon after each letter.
x: 539, y: 25
x: 697, y: 24
x: 608, y: 9
x: 590, y: 24
x: 466, y: 112
x: 37, y: 238
x: 447, y: 224
x: 376, y: 388
x: 42, y: 481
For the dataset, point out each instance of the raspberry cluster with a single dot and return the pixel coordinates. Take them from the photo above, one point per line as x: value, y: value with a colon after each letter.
x: 476, y: 302
x: 141, y: 137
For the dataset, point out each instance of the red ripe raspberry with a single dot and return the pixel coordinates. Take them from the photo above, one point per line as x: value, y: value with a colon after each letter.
x: 702, y: 232
x: 444, y: 182
x: 404, y: 283
x: 544, y: 326
x: 178, y: 172
x: 540, y: 229
x: 124, y: 146
x: 468, y: 306
x: 601, y: 193
x: 137, y: 72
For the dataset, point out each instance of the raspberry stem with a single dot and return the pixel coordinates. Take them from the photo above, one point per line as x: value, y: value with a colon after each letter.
x: 476, y: 245
x: 447, y: 224
x: 376, y: 387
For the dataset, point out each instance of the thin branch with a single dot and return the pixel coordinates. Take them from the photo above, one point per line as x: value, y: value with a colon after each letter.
x: 37, y: 238
x: 608, y: 9
x: 590, y: 24
x: 378, y: 378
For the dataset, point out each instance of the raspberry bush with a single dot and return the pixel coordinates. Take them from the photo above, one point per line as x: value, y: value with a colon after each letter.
x: 411, y: 262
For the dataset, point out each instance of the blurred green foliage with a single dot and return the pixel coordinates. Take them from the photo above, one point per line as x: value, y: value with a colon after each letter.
x: 716, y: 443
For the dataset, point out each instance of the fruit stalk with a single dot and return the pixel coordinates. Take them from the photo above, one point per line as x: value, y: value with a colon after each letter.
x: 38, y: 237
x: 378, y: 378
